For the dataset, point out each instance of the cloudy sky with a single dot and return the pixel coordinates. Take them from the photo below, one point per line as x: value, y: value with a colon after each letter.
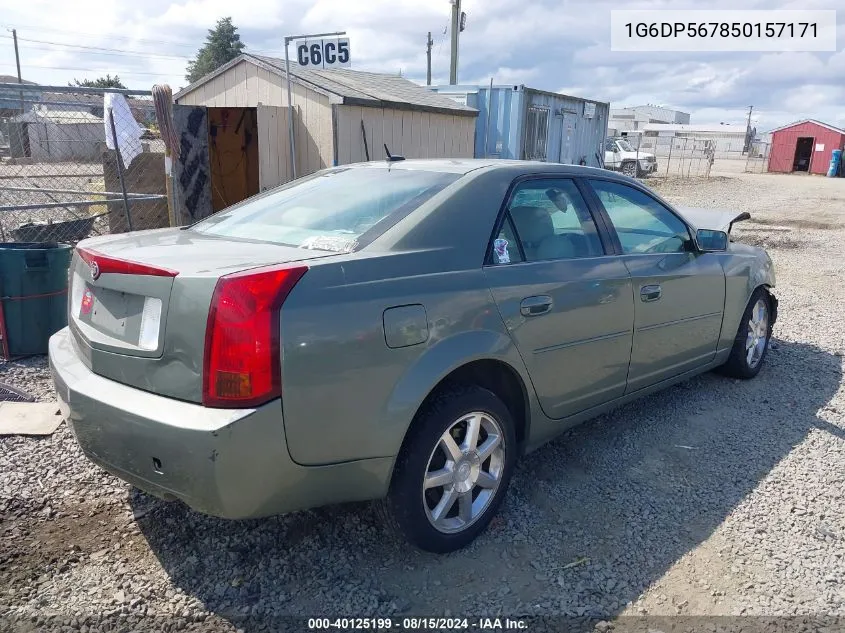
x: 559, y: 45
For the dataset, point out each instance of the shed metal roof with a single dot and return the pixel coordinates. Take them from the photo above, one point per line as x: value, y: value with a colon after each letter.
x: 461, y: 89
x: 59, y: 117
x: 713, y: 128
x: 814, y: 121
x: 351, y: 87
x: 11, y: 79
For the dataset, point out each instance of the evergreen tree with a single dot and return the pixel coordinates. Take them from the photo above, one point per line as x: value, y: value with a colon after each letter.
x: 101, y: 82
x: 222, y: 45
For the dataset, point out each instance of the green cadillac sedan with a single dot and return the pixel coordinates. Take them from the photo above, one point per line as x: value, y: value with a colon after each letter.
x: 399, y: 331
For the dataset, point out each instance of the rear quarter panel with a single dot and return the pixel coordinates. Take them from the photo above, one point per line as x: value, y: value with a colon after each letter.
x: 346, y: 394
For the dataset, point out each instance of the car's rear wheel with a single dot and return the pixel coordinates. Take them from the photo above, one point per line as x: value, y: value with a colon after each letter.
x: 453, y: 470
x: 752, y: 338
x: 630, y: 169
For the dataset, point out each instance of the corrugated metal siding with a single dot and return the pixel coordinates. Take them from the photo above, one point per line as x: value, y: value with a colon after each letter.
x: 246, y: 85
x: 785, y: 141
x: 502, y: 130
x: 410, y: 133
x: 499, y: 136
x: 570, y: 137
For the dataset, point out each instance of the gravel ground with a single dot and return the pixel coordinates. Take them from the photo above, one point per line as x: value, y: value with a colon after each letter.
x: 717, y: 497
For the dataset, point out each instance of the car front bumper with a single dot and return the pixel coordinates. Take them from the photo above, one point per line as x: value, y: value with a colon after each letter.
x: 231, y: 463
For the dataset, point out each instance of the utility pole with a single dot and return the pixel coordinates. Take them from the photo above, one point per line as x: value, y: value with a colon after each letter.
x: 748, y: 138
x: 18, y: 63
x: 428, y: 46
x: 456, y: 30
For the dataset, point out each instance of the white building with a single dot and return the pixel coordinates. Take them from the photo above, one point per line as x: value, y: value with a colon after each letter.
x: 625, y: 120
x: 657, y: 138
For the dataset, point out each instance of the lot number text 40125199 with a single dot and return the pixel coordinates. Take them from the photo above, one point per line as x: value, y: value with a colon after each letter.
x: 417, y: 624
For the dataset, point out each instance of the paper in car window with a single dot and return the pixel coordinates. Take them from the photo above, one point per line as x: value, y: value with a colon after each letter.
x: 329, y: 243
x: 500, y: 251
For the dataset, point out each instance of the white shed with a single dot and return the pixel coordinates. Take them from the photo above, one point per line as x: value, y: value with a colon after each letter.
x: 341, y: 116
x: 61, y: 135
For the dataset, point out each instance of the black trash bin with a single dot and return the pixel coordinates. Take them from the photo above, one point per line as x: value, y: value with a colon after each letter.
x: 33, y: 295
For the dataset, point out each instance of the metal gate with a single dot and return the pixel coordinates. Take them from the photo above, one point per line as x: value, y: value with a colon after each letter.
x: 536, y: 133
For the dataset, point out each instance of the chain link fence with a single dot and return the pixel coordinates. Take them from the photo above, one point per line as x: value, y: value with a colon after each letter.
x: 700, y: 156
x: 62, y: 178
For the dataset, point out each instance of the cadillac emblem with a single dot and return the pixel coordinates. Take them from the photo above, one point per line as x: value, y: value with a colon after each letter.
x: 95, y: 270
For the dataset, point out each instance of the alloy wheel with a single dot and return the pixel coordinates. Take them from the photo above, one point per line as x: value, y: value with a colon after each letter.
x: 464, y: 472
x: 758, y: 333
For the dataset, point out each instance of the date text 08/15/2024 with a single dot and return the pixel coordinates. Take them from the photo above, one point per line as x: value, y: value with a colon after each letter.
x: 417, y: 624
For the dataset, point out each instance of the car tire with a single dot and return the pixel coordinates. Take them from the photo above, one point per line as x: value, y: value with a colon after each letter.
x: 631, y: 169
x: 471, y: 483
x: 749, y: 349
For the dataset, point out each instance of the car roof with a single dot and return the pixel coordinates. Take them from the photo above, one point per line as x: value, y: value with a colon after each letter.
x: 466, y: 165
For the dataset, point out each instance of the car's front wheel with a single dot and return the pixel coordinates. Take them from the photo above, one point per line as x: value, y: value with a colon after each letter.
x: 752, y: 339
x: 453, y: 469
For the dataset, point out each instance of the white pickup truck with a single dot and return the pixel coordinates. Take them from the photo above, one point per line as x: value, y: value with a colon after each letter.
x: 619, y: 155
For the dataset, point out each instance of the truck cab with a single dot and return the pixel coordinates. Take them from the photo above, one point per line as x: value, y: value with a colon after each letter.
x: 620, y: 155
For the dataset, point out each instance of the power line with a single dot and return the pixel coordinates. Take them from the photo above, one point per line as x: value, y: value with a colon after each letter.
x: 276, y: 52
x: 442, y: 39
x: 97, y: 53
x: 105, y: 36
x: 92, y: 70
x: 97, y: 48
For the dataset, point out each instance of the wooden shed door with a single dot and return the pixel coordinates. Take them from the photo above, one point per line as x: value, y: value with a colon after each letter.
x: 273, y: 147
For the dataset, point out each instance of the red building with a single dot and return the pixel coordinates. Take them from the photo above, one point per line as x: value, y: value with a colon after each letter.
x: 804, y: 146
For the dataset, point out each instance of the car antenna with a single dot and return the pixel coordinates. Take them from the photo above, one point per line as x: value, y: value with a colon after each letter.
x: 390, y: 157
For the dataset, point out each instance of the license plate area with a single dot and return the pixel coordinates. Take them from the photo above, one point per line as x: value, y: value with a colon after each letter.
x: 114, y: 313
x: 119, y: 314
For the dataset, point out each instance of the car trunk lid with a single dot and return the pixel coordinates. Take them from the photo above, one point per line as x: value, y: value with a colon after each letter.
x: 139, y: 303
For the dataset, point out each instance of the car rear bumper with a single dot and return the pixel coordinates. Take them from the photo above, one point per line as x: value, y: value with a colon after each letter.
x: 229, y: 463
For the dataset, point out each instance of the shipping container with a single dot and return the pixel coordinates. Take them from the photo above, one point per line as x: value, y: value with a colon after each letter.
x: 517, y: 122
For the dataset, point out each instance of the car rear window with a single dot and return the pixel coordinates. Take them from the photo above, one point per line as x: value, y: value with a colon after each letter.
x: 330, y: 211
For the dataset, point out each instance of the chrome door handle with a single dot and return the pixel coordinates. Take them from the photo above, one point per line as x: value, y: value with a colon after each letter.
x: 535, y: 306
x: 650, y: 293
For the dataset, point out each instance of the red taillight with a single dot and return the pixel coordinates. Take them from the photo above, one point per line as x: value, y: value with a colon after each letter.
x: 100, y: 264
x: 242, y: 366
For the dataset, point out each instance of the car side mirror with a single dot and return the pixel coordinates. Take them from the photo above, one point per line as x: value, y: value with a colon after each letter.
x: 708, y: 240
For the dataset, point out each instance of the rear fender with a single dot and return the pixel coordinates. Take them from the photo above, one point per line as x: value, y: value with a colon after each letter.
x: 437, y: 363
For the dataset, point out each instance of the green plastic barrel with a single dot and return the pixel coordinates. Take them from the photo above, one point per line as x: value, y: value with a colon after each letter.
x: 33, y: 294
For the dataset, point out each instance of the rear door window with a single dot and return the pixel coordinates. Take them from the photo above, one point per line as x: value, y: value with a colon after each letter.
x: 552, y: 221
x: 330, y: 211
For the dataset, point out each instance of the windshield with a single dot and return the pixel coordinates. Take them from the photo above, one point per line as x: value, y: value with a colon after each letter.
x: 625, y: 146
x: 331, y: 211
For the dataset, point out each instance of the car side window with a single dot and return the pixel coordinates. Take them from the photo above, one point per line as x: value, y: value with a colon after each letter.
x: 505, y: 247
x: 641, y: 222
x: 552, y: 221
x: 610, y: 145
